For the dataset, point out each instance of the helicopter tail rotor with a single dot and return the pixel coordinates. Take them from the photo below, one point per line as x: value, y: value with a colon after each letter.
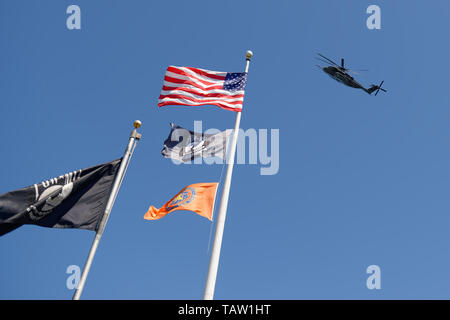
x: 376, y: 88
x: 379, y: 88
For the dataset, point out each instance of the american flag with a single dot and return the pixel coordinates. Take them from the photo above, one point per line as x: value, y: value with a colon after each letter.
x: 196, y: 87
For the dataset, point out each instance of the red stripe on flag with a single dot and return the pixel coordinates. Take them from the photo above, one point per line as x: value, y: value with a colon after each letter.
x: 217, y: 95
x: 161, y: 104
x: 184, y: 73
x: 192, y: 83
x: 206, y: 74
x: 180, y: 96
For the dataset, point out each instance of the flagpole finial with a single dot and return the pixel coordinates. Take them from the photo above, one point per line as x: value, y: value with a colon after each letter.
x: 249, y: 54
x: 137, y: 124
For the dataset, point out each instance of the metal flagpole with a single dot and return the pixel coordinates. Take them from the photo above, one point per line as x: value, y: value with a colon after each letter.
x: 134, y: 137
x: 220, y: 224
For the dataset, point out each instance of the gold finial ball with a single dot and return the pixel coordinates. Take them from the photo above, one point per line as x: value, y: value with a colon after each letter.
x: 137, y: 124
x: 249, y: 54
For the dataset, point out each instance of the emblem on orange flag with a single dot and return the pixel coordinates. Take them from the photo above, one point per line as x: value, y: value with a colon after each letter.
x: 197, y: 197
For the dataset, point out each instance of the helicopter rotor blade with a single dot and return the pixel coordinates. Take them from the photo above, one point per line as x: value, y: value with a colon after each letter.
x: 324, y: 61
x: 355, y: 71
x: 329, y: 60
x: 332, y: 63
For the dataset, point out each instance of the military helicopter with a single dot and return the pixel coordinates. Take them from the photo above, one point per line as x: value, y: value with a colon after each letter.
x: 341, y: 74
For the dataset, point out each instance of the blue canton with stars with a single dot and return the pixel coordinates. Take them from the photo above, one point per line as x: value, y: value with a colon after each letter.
x: 235, y: 81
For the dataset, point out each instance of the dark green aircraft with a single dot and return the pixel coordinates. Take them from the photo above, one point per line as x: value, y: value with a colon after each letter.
x: 341, y: 74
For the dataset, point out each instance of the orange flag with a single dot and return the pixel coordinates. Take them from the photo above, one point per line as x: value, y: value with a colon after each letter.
x: 197, y: 197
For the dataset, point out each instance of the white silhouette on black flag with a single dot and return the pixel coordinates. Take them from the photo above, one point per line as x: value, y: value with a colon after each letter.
x: 73, y: 200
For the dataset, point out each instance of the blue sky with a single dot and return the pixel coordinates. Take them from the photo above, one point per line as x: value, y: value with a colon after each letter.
x: 363, y: 180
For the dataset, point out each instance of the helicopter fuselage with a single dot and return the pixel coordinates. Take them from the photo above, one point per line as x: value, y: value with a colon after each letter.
x: 342, y: 77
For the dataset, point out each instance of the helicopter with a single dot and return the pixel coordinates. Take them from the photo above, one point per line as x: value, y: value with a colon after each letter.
x: 341, y: 74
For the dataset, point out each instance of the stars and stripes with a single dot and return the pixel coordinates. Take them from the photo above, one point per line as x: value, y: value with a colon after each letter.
x: 196, y: 87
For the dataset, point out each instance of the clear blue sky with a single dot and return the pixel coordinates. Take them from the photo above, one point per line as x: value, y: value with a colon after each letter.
x: 363, y: 180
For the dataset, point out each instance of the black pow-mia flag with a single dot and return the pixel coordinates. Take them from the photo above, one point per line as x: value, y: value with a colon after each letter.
x: 73, y: 200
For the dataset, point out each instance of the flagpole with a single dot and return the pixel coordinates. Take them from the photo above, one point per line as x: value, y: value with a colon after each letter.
x: 134, y: 137
x: 220, y: 224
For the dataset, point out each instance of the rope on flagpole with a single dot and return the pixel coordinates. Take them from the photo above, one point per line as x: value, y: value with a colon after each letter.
x: 214, y: 209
